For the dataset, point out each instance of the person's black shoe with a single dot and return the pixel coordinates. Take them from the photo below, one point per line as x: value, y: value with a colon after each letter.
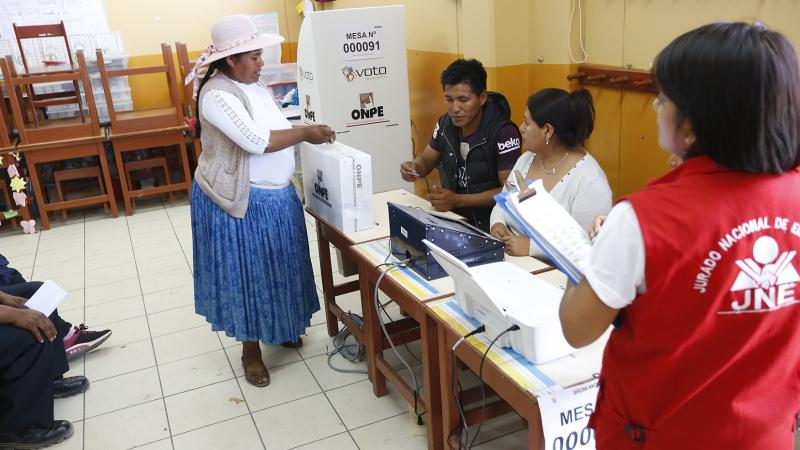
x: 69, y: 386
x: 37, y: 437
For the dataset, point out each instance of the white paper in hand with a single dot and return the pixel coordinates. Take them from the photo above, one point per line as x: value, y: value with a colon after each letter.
x: 47, y: 298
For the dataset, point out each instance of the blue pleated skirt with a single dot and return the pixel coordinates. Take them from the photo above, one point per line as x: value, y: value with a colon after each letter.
x: 253, y: 277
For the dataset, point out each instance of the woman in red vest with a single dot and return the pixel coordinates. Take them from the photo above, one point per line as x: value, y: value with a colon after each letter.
x: 700, y: 268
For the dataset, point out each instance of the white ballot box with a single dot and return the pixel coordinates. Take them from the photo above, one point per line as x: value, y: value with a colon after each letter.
x: 352, y: 75
x: 337, y: 184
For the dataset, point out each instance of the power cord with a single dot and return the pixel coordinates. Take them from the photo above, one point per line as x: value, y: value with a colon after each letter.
x: 377, y: 304
x: 514, y: 327
x: 354, y: 353
x: 580, y: 32
x: 453, y: 385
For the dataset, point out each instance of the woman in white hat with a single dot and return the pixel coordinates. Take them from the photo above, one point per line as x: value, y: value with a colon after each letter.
x: 252, y: 269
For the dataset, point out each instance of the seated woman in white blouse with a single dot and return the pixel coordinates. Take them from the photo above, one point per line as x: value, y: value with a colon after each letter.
x: 556, y: 124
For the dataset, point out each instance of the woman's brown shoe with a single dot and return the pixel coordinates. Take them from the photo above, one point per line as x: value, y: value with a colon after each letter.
x: 258, y: 377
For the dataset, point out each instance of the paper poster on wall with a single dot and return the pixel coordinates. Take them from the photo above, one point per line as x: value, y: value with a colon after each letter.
x: 268, y: 23
x: 79, y: 16
x: 360, y: 42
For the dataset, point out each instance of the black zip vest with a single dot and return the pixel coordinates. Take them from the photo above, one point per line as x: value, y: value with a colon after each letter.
x: 481, y: 160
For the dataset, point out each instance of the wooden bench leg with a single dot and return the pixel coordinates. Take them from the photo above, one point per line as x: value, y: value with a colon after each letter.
x: 60, y: 195
x: 37, y: 189
x: 123, y: 181
x: 112, y: 202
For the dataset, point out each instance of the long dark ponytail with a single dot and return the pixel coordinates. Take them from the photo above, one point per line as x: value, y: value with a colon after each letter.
x: 213, y: 67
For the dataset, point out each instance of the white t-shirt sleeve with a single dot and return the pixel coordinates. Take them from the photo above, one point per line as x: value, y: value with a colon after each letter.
x: 592, y: 199
x: 616, y: 266
x: 226, y: 112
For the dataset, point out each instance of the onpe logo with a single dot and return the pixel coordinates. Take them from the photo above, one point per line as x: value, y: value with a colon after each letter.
x: 319, y: 188
x: 767, y: 280
x: 309, y: 113
x: 367, y: 109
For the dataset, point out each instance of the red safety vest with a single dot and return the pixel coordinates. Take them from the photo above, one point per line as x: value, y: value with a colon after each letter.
x: 708, y: 358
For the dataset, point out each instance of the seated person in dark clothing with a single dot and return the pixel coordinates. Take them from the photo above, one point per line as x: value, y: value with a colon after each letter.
x: 77, y: 340
x: 474, y: 144
x: 32, y: 365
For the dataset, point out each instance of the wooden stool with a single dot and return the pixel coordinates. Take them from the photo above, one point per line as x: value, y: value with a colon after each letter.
x: 61, y: 176
x: 7, y: 200
x: 149, y: 164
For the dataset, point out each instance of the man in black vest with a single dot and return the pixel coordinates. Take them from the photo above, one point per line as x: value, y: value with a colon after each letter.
x: 474, y: 145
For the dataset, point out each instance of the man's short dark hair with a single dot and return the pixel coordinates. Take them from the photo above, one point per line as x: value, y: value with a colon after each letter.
x: 469, y: 71
x: 738, y: 84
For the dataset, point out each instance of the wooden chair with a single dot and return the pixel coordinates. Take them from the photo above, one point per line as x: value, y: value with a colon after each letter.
x: 28, y: 111
x: 5, y: 142
x: 143, y: 128
x: 41, y: 101
x: 185, y: 65
x: 60, y: 139
x: 135, y: 171
x: 83, y: 173
x: 7, y: 201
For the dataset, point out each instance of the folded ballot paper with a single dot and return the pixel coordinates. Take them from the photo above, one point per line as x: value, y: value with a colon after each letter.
x: 47, y: 298
x: 550, y: 226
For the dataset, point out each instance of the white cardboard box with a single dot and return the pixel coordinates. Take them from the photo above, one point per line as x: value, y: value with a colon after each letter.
x: 337, y: 185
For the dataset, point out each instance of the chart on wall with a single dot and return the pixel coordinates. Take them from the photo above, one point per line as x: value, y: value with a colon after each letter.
x: 79, y: 16
x: 86, y: 23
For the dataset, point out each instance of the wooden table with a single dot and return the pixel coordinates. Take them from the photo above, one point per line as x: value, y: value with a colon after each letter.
x: 505, y: 373
x: 410, y: 292
x: 329, y: 234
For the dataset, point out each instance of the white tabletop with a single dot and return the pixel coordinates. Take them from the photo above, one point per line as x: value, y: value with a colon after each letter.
x: 377, y: 252
x: 381, y: 212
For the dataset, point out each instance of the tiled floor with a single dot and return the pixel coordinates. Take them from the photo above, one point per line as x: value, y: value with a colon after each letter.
x: 164, y: 380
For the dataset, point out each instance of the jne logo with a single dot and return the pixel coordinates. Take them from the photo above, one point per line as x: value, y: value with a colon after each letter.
x: 767, y: 281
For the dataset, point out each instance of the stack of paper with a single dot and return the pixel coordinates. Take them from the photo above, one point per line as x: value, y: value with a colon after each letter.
x: 550, y: 226
x: 47, y: 298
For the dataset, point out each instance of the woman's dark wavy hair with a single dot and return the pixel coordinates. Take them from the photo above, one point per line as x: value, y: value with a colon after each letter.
x: 571, y: 114
x: 738, y: 84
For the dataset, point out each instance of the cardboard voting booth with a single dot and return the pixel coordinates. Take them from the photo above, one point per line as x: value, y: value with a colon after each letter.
x: 353, y: 76
x: 337, y: 183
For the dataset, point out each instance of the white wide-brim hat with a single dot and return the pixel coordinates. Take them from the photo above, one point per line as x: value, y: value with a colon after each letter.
x: 237, y: 34
x: 229, y: 36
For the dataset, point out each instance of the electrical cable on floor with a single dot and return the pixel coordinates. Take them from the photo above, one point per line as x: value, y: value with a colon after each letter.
x: 355, y: 353
x: 456, y: 397
x: 514, y: 327
x: 377, y: 304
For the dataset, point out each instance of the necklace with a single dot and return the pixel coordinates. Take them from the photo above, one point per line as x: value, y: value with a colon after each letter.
x: 553, y: 170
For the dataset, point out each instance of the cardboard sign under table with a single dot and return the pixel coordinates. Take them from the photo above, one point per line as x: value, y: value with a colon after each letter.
x: 330, y: 234
x: 513, y: 378
x: 410, y: 291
